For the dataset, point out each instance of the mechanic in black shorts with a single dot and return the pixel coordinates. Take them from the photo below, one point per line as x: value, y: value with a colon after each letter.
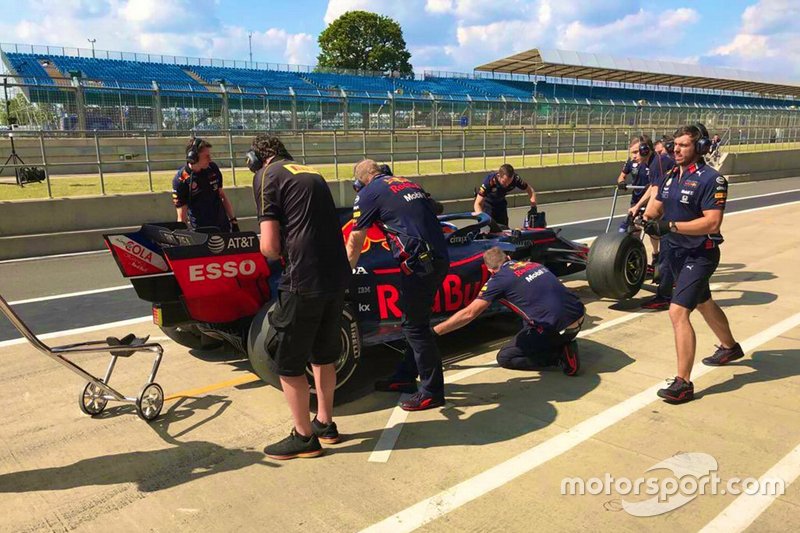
x: 407, y: 215
x: 197, y: 191
x: 551, y: 314
x: 688, y: 212
x: 491, y: 197
x: 299, y: 225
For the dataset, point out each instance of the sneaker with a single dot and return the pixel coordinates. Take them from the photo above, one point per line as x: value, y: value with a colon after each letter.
x: 326, y: 433
x: 295, y: 445
x: 420, y: 401
x: 723, y: 356
x: 678, y: 391
x: 651, y: 270
x: 659, y: 303
x: 396, y: 385
x: 569, y: 360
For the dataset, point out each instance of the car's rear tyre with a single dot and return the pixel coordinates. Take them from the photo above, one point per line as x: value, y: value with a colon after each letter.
x: 191, y: 337
x: 617, y: 265
x: 346, y: 365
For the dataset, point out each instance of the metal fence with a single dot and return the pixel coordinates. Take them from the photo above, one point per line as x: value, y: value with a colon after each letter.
x: 75, y: 105
x: 95, y: 165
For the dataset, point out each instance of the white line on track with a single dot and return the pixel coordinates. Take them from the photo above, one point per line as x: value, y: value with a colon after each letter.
x: 79, y: 331
x: 391, y: 432
x: 744, y: 510
x: 55, y: 256
x: 70, y: 295
x: 450, y: 499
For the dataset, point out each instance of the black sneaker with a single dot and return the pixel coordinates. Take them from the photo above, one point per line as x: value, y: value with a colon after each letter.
x: 396, y: 385
x: 569, y: 360
x: 326, y: 433
x: 420, y: 401
x: 295, y: 445
x: 723, y: 356
x: 679, y: 391
x: 658, y: 303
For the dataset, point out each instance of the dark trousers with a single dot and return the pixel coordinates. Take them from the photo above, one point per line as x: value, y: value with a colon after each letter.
x: 498, y: 211
x: 665, y: 269
x: 422, y: 357
x: 534, y: 349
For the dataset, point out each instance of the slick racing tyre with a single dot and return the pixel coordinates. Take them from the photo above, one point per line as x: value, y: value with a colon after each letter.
x: 616, y: 266
x: 261, y: 332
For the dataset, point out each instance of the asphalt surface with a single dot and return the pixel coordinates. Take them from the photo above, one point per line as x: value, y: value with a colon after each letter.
x: 48, y: 277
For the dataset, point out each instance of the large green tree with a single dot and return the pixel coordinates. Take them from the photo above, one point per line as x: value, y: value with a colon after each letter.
x: 364, y: 41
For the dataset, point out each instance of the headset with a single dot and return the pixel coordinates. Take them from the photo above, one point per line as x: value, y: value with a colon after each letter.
x: 703, y: 144
x: 669, y: 144
x: 645, y: 146
x: 254, y: 163
x: 193, y: 155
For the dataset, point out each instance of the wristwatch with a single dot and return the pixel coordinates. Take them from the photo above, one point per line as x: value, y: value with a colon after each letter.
x: 673, y: 227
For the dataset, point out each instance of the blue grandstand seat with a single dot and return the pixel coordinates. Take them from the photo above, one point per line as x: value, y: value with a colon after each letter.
x: 29, y: 67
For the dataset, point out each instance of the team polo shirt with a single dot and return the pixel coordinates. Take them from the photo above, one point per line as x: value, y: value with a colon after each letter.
x: 494, y: 192
x: 199, y: 192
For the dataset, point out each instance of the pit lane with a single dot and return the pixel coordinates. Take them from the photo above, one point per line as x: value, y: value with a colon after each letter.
x: 201, y: 464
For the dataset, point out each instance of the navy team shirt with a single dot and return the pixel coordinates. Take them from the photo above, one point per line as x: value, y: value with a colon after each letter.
x: 534, y: 293
x: 701, y: 188
x: 199, y: 191
x: 495, y: 194
x: 405, y: 212
x: 652, y: 172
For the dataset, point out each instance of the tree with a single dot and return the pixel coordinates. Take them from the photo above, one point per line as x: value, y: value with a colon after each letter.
x: 361, y: 40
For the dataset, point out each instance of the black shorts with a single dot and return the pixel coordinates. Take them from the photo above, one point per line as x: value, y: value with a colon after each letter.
x: 692, y: 270
x: 304, y: 329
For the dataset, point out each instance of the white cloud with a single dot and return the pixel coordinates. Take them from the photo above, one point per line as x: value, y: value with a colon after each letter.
x: 169, y: 27
x: 767, y: 40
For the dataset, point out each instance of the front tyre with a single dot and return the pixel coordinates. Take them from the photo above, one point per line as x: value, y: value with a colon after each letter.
x: 617, y: 265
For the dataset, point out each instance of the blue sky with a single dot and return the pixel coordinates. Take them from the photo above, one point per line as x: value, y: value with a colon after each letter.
x: 452, y: 35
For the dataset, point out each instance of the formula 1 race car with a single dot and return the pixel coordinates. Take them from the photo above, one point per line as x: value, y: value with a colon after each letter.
x: 209, y: 288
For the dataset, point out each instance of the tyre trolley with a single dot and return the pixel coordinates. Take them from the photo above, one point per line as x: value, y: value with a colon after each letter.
x: 97, y: 392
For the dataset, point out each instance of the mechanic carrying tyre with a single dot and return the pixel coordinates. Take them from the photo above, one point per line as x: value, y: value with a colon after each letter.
x: 407, y: 215
x: 688, y: 211
x: 197, y: 191
x: 299, y: 225
x: 491, y: 197
x: 552, y: 315
x: 647, y: 169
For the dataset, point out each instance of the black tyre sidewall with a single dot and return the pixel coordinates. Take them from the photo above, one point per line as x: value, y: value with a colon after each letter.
x: 605, y: 269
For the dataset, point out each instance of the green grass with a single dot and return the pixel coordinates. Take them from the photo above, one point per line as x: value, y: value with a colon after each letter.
x: 133, y: 182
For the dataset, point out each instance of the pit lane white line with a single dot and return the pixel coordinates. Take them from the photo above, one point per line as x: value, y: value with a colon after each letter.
x: 391, y: 432
x: 55, y: 256
x: 745, y: 509
x: 70, y: 295
x: 79, y: 331
x: 450, y: 499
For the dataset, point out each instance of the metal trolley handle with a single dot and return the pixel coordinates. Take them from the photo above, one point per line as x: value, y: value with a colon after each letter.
x: 98, y: 392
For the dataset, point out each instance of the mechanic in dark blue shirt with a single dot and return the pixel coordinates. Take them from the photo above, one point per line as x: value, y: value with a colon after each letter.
x: 551, y: 314
x: 491, y: 197
x: 197, y: 191
x: 688, y: 211
x: 406, y: 214
x: 646, y: 168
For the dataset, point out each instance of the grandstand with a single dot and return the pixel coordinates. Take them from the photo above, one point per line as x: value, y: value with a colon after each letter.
x: 158, y: 92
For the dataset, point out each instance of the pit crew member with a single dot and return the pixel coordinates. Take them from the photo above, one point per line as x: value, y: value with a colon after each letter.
x: 491, y: 197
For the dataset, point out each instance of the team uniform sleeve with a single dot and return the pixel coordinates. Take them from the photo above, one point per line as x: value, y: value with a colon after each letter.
x: 216, y: 169
x: 493, y: 289
x: 520, y: 183
x: 269, y: 207
x: 627, y: 168
x: 180, y: 190
x: 715, y: 194
x: 365, y: 210
x: 484, y: 188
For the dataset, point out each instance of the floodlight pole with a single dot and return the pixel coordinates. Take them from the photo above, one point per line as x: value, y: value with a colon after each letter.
x: 92, y: 41
x: 250, y: 44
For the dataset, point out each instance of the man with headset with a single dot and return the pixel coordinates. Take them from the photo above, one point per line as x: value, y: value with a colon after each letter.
x: 407, y: 215
x: 650, y: 169
x: 491, y: 197
x: 688, y: 211
x: 197, y: 191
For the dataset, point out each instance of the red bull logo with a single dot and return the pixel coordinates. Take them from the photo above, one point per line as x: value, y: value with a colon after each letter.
x: 374, y: 235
